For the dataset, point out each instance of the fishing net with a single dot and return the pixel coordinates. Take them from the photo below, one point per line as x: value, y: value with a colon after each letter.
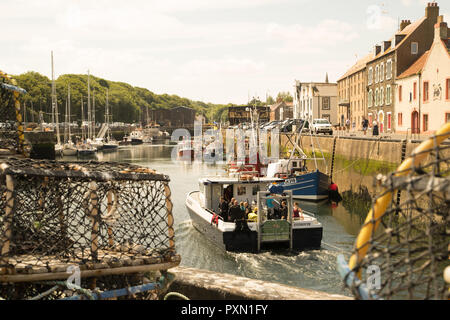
x: 402, y: 254
x: 105, y: 218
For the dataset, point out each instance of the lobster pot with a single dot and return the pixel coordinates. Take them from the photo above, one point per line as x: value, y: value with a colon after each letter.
x: 402, y: 251
x: 105, y: 218
x: 10, y: 109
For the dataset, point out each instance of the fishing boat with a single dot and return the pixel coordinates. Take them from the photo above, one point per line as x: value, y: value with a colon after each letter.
x: 97, y: 143
x: 265, y: 232
x: 246, y: 182
x: 85, y: 150
x: 69, y: 149
x: 136, y: 137
x: 185, y: 150
x: 304, y: 183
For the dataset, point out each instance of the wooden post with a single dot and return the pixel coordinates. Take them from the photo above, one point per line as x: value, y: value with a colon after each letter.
x: 95, y: 223
x: 7, y: 231
x: 169, y: 216
x: 108, y: 210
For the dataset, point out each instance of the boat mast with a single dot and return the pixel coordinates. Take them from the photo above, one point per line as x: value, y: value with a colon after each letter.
x: 107, y: 115
x: 68, y: 99
x: 55, y: 105
x: 93, y: 113
x: 65, y: 125
x: 83, y: 130
x: 89, y: 108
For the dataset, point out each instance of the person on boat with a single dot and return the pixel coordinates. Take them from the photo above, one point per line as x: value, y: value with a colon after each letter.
x: 230, y: 205
x: 237, y: 216
x: 298, y: 212
x: 270, y: 208
x: 253, y: 215
x: 246, y: 209
x: 333, y: 193
x: 223, y: 208
x: 283, y: 210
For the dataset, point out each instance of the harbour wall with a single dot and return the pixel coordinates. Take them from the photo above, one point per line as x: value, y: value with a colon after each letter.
x: 352, y: 148
x: 197, y: 284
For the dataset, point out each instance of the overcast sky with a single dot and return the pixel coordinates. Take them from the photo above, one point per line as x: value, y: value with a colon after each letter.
x: 214, y: 51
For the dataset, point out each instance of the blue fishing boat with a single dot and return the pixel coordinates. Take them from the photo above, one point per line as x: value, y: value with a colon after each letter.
x: 304, y: 184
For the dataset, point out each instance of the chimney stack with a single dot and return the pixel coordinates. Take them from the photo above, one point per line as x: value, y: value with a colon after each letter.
x: 440, y: 29
x: 404, y: 24
x: 432, y: 11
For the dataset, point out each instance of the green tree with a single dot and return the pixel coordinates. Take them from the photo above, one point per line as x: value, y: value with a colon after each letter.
x: 284, y: 96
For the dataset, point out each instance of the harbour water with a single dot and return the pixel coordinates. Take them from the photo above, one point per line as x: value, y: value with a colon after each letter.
x: 311, y: 269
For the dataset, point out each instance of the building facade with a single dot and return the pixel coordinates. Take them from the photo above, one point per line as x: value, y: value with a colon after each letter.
x: 392, y: 58
x: 351, y: 88
x: 281, y: 111
x: 241, y: 114
x: 176, y: 117
x: 316, y: 100
x: 423, y: 90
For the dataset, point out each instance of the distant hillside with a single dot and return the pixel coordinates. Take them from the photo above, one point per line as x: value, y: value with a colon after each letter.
x: 128, y: 103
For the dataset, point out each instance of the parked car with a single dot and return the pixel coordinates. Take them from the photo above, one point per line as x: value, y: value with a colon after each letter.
x: 322, y: 126
x: 287, y: 125
x: 272, y: 125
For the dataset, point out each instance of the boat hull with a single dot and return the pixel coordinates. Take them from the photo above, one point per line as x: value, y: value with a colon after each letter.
x: 310, y: 186
x: 110, y: 147
x: 136, y: 141
x: 225, y: 237
x: 70, y: 152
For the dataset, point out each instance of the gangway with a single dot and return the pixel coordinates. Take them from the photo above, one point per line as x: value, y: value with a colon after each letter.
x: 103, y: 130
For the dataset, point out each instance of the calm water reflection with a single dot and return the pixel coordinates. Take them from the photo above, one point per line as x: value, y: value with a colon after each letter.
x: 312, y: 269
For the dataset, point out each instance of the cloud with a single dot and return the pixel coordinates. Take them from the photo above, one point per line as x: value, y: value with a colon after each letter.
x: 378, y: 20
x: 311, y: 39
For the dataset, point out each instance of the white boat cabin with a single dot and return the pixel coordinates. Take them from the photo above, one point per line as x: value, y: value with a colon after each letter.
x: 211, y: 189
x: 286, y: 167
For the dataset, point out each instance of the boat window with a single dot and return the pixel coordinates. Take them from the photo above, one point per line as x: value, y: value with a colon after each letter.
x: 294, y: 164
x: 241, y: 190
x: 255, y: 190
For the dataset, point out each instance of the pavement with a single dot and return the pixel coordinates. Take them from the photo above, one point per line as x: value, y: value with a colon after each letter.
x: 384, y: 135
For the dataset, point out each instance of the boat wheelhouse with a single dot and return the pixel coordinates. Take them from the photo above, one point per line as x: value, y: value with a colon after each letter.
x: 202, y: 205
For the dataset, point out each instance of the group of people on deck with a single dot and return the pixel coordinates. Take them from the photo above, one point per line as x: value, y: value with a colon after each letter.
x: 234, y: 211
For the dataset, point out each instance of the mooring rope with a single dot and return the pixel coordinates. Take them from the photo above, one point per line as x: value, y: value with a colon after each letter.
x: 175, y: 294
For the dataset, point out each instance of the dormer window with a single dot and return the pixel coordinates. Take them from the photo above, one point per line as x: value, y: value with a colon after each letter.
x: 414, y: 48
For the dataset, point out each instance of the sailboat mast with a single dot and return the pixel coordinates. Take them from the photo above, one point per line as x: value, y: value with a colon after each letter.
x: 83, y: 135
x: 65, y: 125
x: 68, y: 98
x: 55, y: 105
x: 93, y: 113
x: 89, y: 108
